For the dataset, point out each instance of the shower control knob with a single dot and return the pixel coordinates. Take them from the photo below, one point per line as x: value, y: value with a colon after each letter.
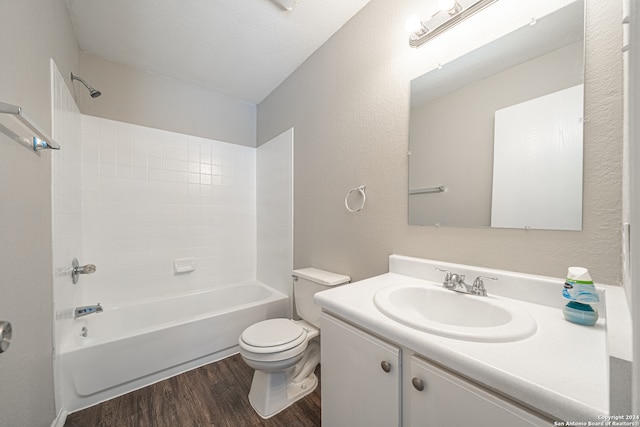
x: 386, y: 366
x: 5, y: 335
x: 77, y: 270
x: 87, y: 269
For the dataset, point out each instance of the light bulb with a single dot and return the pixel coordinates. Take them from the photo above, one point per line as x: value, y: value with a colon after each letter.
x: 413, y: 24
x: 446, y: 5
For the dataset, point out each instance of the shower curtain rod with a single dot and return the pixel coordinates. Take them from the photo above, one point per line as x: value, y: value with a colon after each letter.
x: 40, y: 140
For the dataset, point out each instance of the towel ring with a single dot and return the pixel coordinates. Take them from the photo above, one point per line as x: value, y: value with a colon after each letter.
x: 364, y: 199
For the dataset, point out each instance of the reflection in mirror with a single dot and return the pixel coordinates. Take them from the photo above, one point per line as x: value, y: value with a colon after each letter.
x: 496, y: 135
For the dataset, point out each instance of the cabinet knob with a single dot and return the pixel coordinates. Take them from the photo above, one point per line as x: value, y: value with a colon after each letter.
x: 386, y: 366
x: 418, y: 384
x: 5, y: 335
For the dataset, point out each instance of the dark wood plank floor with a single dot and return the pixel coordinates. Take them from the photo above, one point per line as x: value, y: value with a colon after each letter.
x: 213, y: 395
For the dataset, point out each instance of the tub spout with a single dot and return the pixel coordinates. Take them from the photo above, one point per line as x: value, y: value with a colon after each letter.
x: 86, y: 310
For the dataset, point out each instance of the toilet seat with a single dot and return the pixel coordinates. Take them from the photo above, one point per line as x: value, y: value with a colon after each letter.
x: 273, y: 336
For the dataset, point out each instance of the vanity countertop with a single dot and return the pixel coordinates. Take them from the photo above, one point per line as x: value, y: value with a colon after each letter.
x: 561, y: 370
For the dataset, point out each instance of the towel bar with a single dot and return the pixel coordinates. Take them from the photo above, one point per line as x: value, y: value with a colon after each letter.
x: 40, y: 140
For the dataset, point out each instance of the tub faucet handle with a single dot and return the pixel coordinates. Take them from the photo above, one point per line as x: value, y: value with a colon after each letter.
x: 87, y: 269
x: 77, y: 270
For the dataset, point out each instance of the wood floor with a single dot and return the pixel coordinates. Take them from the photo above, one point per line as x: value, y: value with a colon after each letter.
x: 213, y: 395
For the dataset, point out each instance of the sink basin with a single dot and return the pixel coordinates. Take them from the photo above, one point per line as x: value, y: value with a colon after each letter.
x: 455, y: 315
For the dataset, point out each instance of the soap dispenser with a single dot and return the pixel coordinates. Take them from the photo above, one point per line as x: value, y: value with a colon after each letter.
x: 580, y: 291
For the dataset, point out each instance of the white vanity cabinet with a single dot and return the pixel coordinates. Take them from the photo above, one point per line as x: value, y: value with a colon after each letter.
x: 435, y: 397
x: 360, y: 377
x: 358, y: 391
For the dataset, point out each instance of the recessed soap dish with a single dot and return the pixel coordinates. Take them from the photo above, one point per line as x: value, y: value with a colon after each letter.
x: 184, y: 265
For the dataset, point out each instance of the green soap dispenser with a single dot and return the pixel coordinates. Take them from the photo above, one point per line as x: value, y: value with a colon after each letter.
x: 580, y: 291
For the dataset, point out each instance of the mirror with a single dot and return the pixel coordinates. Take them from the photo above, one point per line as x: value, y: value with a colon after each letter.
x: 495, y: 136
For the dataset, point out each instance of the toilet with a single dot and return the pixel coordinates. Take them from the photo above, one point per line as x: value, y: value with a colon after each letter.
x: 285, y: 352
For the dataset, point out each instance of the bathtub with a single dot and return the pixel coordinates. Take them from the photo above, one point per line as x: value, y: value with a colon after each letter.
x: 133, y: 345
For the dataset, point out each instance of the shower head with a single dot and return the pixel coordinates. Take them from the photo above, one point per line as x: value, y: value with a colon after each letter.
x: 93, y: 92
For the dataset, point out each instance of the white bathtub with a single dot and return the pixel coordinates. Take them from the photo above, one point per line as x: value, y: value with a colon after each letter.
x: 132, y: 345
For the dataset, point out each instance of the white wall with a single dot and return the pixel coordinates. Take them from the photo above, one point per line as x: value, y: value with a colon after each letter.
x: 274, y: 181
x: 349, y: 104
x: 133, y: 96
x: 151, y: 196
x: 32, y: 32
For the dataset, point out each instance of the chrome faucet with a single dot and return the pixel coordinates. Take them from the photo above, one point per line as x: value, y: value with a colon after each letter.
x: 455, y: 282
x: 86, y: 310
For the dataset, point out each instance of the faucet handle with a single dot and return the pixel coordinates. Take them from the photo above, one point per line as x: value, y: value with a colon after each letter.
x: 447, y: 277
x: 478, y: 285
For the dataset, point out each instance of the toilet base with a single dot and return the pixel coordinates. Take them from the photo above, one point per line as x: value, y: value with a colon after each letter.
x: 271, y: 392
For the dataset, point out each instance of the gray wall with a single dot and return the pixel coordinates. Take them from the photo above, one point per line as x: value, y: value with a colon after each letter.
x: 31, y: 32
x: 133, y: 96
x: 349, y: 104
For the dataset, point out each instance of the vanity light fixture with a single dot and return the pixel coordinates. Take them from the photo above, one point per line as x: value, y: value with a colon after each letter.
x: 450, y: 14
x: 452, y: 7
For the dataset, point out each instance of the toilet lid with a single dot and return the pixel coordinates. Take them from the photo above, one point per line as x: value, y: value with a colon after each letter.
x: 273, y: 333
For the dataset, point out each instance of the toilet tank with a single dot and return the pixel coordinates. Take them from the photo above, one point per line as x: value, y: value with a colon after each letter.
x: 309, y: 281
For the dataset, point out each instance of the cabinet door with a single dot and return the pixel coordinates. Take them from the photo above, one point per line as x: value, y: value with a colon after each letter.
x: 360, y: 377
x: 449, y: 400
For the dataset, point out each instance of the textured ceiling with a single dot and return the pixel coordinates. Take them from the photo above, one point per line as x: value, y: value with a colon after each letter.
x: 241, y: 48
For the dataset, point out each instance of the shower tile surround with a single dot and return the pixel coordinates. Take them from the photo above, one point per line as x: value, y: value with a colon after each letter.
x: 151, y: 196
x: 66, y: 210
x: 132, y: 199
x: 67, y: 175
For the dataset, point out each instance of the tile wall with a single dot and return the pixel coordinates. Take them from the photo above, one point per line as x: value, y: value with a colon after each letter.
x: 151, y: 196
x: 66, y: 204
x: 66, y: 210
